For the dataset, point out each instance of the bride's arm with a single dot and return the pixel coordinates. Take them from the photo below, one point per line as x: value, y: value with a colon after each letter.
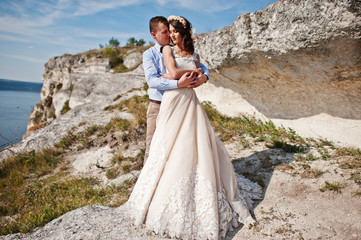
x: 201, y: 78
x: 169, y: 63
x: 198, y: 63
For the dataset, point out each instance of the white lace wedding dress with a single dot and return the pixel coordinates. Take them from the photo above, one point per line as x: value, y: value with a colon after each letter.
x: 188, y: 188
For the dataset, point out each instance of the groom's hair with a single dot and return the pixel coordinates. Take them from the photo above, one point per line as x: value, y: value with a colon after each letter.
x: 153, y: 23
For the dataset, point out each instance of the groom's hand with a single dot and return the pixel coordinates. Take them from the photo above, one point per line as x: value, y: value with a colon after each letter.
x: 199, y: 80
x: 186, y: 79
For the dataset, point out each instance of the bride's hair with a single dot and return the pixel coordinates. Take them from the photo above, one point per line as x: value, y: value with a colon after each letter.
x: 184, y: 27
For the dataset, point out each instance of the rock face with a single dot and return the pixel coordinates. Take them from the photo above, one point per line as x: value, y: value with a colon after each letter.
x: 293, y: 59
x: 88, y: 86
x: 58, y: 83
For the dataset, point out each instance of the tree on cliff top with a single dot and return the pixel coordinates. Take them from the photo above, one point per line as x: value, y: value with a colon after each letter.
x: 113, y: 42
x: 134, y: 42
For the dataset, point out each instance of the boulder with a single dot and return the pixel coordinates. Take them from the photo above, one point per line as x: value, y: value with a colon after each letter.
x: 133, y: 59
x: 294, y: 59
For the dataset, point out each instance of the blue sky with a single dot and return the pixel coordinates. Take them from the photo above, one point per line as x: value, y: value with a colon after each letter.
x: 33, y: 31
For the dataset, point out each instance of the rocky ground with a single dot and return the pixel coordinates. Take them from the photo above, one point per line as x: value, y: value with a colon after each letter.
x: 296, y: 203
x: 307, y: 195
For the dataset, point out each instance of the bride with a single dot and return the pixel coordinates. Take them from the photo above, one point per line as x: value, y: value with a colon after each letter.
x: 188, y: 188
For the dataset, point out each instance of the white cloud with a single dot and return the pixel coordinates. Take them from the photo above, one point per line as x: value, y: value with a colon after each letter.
x: 211, y: 6
x: 29, y: 59
x: 84, y: 7
x: 24, y: 58
x: 30, y: 18
x: 7, y: 37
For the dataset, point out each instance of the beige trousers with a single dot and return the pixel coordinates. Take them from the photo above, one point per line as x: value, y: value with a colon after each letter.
x: 152, y: 113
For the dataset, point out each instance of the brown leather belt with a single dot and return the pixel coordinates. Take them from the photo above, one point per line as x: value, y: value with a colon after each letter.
x: 154, y: 101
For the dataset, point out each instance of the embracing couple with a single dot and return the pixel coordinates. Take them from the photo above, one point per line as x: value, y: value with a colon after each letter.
x: 187, y: 188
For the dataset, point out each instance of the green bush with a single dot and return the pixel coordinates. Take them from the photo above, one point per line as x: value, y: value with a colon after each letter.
x: 65, y: 108
x: 114, y: 56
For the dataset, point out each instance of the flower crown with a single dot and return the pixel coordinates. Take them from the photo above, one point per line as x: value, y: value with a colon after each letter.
x: 177, y: 18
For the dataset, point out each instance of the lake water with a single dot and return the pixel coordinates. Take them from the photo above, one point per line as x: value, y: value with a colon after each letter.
x: 15, y: 108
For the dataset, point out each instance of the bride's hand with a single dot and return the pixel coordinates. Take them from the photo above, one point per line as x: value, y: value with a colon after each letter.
x: 195, y: 73
x: 166, y: 75
x: 198, y: 81
x: 199, y: 71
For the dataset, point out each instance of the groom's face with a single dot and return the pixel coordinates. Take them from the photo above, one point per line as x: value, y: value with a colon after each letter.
x: 161, y: 36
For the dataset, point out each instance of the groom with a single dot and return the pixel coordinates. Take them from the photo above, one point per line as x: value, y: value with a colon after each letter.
x: 153, y: 68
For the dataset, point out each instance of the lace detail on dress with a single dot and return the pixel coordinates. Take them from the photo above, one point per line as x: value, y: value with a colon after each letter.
x: 226, y: 214
x: 194, y: 210
x: 190, y: 211
x: 139, y: 201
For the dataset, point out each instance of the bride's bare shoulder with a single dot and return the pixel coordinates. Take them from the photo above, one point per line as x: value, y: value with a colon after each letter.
x: 167, y: 50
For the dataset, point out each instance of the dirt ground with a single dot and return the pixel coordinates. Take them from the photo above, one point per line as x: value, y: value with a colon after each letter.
x: 295, y: 206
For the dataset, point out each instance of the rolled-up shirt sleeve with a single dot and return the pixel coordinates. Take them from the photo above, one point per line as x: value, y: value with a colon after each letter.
x: 205, y: 70
x: 153, y: 77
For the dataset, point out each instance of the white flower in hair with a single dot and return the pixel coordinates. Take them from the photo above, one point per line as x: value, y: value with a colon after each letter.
x: 177, y: 18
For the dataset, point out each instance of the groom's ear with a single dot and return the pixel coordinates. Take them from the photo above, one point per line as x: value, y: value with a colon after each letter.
x: 153, y: 34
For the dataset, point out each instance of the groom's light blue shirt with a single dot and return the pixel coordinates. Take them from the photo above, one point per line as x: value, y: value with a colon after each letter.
x: 153, y: 64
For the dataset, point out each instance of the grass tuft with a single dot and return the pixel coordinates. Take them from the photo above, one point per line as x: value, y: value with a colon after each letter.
x: 311, y: 173
x: 136, y: 105
x: 357, y: 194
x: 66, y: 108
x: 112, y: 173
x: 332, y: 186
x: 284, y: 167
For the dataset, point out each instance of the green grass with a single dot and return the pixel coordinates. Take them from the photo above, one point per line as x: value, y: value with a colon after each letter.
x: 305, y: 158
x: 34, y: 200
x: 39, y: 201
x: 66, y: 108
x: 311, y: 173
x: 332, y: 186
x: 95, y: 135
x: 136, y: 105
x: 259, y: 131
x: 356, y: 177
x: 351, y: 161
x: 357, y: 194
x: 116, y: 56
x: 37, y: 117
x: 286, y: 147
x: 124, y: 165
x: 112, y: 173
